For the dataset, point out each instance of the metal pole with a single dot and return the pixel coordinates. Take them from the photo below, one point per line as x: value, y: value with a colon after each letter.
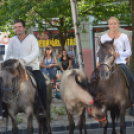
x: 94, y: 56
x: 77, y: 34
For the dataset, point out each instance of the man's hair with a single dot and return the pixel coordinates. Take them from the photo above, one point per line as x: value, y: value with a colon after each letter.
x: 20, y: 21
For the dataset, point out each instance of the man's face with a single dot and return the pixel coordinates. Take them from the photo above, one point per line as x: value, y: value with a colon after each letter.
x: 19, y: 29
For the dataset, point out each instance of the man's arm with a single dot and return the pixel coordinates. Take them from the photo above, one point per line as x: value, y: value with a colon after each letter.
x: 9, y: 52
x: 34, y: 53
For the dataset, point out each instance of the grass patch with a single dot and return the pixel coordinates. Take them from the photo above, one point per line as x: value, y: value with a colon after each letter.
x: 60, y: 110
x: 19, y: 120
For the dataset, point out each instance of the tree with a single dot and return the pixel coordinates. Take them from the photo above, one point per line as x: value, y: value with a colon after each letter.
x: 104, y: 9
x: 40, y: 11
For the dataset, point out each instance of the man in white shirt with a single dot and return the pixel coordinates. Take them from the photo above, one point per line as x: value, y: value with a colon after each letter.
x: 25, y: 48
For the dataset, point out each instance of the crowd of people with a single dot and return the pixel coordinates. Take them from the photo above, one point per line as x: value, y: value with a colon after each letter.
x: 49, y: 62
x: 52, y: 66
x: 49, y: 65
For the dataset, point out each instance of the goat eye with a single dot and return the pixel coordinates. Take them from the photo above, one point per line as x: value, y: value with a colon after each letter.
x: 110, y: 55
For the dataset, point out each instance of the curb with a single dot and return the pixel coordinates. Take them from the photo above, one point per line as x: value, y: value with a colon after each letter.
x: 92, y: 126
x: 66, y: 128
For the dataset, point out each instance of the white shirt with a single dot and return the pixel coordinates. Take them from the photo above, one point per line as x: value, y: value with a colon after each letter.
x: 122, y: 45
x: 27, y: 49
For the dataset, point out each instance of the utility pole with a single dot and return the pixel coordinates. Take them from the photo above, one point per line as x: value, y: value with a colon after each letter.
x: 77, y: 34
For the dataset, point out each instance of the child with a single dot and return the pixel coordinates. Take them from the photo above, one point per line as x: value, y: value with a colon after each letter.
x: 57, y: 94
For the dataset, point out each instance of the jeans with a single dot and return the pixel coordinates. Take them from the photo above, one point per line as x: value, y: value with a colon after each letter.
x: 42, y: 86
x: 50, y: 72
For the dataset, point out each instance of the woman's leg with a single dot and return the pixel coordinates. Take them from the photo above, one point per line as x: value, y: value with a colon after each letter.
x: 52, y: 73
x: 45, y: 71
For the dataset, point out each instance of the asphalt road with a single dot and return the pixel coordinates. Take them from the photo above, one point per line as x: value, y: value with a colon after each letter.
x: 90, y: 131
x: 97, y: 131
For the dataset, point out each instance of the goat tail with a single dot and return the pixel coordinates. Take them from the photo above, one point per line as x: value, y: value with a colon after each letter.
x: 81, y: 80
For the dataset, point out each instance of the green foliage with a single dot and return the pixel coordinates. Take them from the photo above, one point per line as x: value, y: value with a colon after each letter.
x: 8, y: 28
x: 104, y: 9
x: 38, y: 11
x: 19, y: 120
x: 58, y: 110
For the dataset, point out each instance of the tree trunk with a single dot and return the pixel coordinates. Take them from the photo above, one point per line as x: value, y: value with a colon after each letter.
x: 132, y: 57
x: 63, y: 37
x: 63, y: 34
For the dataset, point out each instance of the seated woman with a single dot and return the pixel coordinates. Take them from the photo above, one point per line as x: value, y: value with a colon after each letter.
x: 48, y: 62
x: 65, y: 61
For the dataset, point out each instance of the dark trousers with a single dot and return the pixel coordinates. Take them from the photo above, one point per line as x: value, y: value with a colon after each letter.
x: 41, y: 86
x: 130, y: 78
x: 0, y: 103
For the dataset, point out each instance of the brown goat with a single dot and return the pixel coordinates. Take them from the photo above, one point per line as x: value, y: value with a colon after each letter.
x: 74, y: 92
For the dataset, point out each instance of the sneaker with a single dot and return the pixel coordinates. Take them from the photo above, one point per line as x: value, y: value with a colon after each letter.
x: 131, y: 112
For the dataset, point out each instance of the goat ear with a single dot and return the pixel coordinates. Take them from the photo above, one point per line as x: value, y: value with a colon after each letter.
x: 113, y: 40
x: 100, y: 44
x: 22, y: 64
x: 16, y: 64
x: 79, y: 79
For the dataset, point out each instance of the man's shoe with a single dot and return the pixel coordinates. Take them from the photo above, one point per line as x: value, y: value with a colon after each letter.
x: 131, y: 112
x: 41, y: 113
